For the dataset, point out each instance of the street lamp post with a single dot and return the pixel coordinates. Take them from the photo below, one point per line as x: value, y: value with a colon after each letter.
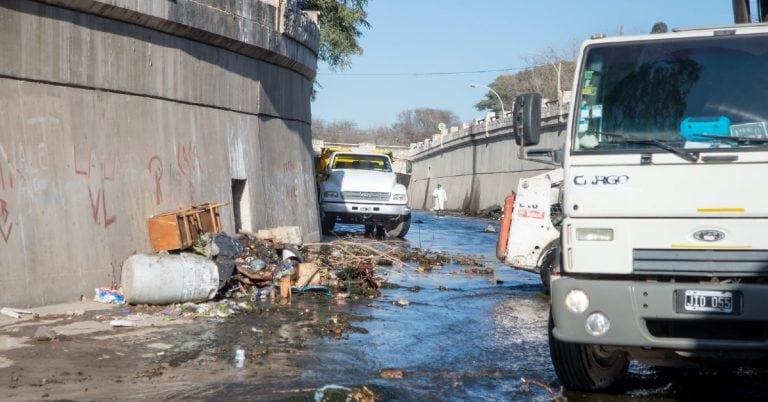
x: 503, y: 112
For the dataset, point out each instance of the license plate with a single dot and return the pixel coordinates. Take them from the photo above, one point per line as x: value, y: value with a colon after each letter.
x: 707, y: 301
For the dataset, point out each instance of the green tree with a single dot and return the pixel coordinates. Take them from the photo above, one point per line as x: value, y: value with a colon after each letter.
x: 341, y: 24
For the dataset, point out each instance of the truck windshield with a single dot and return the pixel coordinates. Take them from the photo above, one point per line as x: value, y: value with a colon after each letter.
x: 362, y: 162
x: 674, y: 95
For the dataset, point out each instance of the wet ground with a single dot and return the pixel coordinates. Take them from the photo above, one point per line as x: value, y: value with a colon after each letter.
x: 440, y: 335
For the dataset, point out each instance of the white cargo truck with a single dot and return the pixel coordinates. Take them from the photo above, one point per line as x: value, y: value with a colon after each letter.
x: 663, y: 256
x: 361, y: 188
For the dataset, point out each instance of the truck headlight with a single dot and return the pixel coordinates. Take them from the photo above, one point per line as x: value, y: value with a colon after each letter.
x: 594, y: 234
x: 597, y: 324
x: 331, y: 194
x: 399, y: 197
x: 576, y: 301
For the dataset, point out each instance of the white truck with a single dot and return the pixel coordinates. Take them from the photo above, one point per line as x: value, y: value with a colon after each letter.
x: 361, y: 188
x: 663, y: 255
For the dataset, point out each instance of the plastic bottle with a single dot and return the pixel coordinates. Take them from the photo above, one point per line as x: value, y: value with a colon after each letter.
x: 239, y: 358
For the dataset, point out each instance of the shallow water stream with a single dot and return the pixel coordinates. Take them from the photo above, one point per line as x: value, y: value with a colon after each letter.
x: 460, y: 337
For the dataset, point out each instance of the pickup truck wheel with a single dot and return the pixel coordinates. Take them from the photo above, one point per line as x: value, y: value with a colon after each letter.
x: 327, y: 222
x: 585, y: 367
x: 399, y: 229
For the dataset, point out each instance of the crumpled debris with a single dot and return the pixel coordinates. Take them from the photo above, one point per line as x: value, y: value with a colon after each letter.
x: 45, y: 333
x: 108, y: 296
x: 123, y: 323
x: 13, y: 312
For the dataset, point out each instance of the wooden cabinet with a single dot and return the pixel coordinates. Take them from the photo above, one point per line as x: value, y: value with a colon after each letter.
x: 180, y: 229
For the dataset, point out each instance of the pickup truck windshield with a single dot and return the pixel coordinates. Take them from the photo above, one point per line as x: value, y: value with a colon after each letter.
x: 674, y: 95
x: 362, y: 162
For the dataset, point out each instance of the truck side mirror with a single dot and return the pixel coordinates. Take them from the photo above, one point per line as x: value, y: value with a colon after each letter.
x: 527, y: 122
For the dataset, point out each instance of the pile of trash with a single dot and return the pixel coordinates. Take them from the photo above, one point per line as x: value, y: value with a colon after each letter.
x: 271, y: 264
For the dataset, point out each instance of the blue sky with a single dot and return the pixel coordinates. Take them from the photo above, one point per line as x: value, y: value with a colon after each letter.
x: 435, y: 36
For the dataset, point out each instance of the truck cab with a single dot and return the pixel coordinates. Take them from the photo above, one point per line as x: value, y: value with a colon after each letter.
x: 663, y: 255
x: 362, y: 188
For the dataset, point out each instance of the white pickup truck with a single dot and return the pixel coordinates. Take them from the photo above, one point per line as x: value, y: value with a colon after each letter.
x: 361, y: 188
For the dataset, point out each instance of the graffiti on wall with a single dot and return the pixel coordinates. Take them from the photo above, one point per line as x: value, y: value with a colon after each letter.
x: 98, y: 172
x: 188, y: 163
x: 155, y: 168
x: 20, y: 163
x: 5, y: 226
x: 186, y: 168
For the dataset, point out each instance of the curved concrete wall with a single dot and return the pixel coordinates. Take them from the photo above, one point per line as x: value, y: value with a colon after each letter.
x: 112, y: 111
x: 478, y: 165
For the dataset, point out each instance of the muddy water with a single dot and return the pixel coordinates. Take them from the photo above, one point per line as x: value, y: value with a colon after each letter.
x: 460, y: 337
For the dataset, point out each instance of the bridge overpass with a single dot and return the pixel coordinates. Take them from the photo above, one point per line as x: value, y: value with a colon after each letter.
x: 478, y: 164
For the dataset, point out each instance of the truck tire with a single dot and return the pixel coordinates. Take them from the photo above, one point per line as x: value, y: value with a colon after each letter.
x: 327, y: 223
x: 549, y: 263
x: 584, y: 367
x: 400, y: 228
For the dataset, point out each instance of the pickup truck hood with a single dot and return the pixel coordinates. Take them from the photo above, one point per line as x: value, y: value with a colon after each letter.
x: 363, y: 180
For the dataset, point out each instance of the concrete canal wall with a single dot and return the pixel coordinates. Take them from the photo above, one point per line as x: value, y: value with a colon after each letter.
x: 112, y: 111
x: 478, y: 165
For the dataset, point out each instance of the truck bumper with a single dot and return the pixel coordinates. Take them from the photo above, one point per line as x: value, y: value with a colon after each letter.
x: 644, y: 314
x: 362, y: 212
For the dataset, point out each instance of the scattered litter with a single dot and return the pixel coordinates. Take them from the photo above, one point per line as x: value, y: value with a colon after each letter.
x: 314, y: 289
x: 239, y: 358
x: 402, y: 303
x: 160, y: 345
x: 45, y: 333
x: 391, y: 374
x: 108, y: 296
x: 123, y: 323
x: 257, y: 264
x: 13, y: 312
x: 320, y: 393
x: 490, y: 229
x: 172, y: 312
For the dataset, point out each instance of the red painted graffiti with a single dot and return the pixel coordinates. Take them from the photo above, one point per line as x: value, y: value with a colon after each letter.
x: 186, y: 158
x: 100, y: 204
x: 155, y: 168
x: 106, y: 173
x: 5, y: 228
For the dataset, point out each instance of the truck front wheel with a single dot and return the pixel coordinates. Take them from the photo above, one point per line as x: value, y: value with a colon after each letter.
x: 585, y: 367
x: 399, y: 228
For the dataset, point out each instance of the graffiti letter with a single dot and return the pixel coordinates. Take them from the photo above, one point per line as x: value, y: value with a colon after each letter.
x: 6, y: 234
x: 158, y: 173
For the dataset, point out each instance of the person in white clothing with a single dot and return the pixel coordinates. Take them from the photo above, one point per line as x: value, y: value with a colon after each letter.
x: 440, y: 197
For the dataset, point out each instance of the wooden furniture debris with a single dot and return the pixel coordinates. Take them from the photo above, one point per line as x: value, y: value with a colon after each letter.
x: 180, y: 229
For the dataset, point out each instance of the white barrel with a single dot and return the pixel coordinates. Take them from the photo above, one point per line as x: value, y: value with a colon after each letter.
x: 169, y: 278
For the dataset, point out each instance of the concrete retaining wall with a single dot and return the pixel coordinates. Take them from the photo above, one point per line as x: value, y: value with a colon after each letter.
x: 113, y: 111
x: 478, y: 165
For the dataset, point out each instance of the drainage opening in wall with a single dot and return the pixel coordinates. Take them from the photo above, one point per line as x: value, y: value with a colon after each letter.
x: 241, y: 205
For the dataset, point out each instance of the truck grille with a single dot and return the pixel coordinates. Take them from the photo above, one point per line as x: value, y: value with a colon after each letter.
x: 364, y: 196
x: 698, y: 262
